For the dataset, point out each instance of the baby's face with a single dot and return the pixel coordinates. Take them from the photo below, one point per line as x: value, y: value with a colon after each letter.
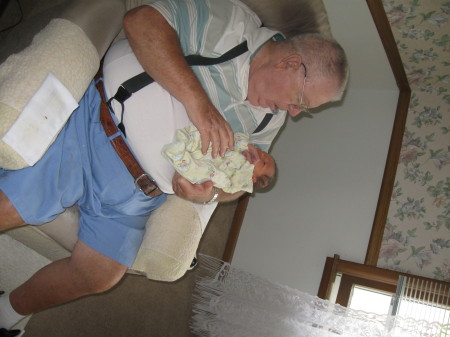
x: 263, y: 162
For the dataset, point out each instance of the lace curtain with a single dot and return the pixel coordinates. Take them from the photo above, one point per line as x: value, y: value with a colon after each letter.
x: 229, y: 302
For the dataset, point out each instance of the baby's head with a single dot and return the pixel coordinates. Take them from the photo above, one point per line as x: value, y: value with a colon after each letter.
x: 265, y: 168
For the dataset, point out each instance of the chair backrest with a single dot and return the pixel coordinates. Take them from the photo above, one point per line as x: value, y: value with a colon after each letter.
x: 291, y: 17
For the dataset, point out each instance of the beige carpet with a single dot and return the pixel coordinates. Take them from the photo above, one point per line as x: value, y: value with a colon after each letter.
x: 17, y: 263
x: 136, y: 307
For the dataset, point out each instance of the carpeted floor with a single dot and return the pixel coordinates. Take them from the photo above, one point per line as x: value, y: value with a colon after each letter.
x: 136, y: 307
x: 17, y: 262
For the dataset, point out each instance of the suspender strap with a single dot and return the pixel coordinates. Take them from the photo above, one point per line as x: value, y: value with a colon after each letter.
x: 143, y: 79
x: 198, y: 60
x: 263, y: 123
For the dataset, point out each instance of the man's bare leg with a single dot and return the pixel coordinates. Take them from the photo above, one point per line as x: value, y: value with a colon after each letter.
x: 85, y: 272
x: 9, y: 218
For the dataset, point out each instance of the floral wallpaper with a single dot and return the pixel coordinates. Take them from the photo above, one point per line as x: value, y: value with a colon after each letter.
x: 417, y: 235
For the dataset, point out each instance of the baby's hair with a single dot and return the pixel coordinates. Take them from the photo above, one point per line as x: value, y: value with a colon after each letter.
x: 265, y: 181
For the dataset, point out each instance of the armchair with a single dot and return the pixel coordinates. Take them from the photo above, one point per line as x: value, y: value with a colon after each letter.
x: 71, y: 46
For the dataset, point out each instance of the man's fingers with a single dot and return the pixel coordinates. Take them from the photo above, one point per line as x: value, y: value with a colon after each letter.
x: 193, y: 192
x: 177, y: 184
x: 226, y: 140
x: 219, y: 135
x: 215, y: 147
x: 186, y: 186
x: 205, y: 139
x: 230, y: 137
x: 213, y: 137
x: 206, y: 185
x: 176, y: 187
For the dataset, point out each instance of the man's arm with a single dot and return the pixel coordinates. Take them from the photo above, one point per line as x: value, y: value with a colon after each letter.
x: 199, y: 193
x: 157, y: 47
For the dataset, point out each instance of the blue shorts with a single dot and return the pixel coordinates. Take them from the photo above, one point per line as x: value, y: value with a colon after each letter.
x: 81, y: 167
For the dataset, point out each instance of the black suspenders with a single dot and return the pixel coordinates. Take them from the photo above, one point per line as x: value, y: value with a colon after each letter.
x: 143, y: 79
x: 263, y: 123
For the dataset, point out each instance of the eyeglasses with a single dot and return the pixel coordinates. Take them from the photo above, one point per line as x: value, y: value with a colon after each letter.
x: 295, y: 109
x: 303, y: 107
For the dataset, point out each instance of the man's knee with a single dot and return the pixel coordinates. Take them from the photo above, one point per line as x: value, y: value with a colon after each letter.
x: 94, y: 272
x: 9, y: 217
x: 97, y: 285
x: 98, y: 282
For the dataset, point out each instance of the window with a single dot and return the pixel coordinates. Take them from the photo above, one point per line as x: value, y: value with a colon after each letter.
x: 370, y: 300
x: 386, y: 292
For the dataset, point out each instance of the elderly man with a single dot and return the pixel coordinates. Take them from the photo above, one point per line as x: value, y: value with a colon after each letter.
x: 273, y: 77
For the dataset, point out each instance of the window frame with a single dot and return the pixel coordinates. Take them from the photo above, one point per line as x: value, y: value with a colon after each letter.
x: 370, y: 276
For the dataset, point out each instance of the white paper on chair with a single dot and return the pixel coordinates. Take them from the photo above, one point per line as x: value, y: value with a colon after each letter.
x: 41, y: 120
x: 204, y: 212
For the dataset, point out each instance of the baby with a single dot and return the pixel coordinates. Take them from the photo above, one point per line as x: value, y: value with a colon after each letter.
x: 239, y: 170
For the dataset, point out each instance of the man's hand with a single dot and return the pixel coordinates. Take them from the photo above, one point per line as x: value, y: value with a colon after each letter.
x: 213, y: 129
x: 198, y: 193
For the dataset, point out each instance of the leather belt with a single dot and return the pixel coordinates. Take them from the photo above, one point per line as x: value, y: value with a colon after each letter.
x: 142, y: 179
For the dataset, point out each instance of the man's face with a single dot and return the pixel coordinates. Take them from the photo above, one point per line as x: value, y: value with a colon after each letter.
x: 281, y: 87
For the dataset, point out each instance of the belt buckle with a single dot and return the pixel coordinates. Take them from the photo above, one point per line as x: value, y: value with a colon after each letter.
x: 136, y: 182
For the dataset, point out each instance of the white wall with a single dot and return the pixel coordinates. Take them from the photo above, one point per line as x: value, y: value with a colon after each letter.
x: 329, y: 168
